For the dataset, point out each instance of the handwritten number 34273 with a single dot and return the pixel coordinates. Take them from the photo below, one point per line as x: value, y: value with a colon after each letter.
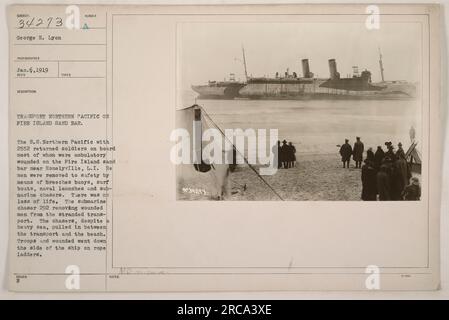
x: 35, y: 22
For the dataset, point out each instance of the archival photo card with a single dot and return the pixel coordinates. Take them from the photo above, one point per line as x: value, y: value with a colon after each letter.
x: 224, y: 148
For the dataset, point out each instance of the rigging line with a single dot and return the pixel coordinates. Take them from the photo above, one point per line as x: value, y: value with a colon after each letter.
x: 243, y: 156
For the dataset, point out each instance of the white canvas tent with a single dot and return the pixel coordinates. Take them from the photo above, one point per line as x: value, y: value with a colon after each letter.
x: 413, y: 157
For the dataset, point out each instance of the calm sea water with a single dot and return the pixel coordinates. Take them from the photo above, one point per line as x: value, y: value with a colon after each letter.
x: 318, y: 126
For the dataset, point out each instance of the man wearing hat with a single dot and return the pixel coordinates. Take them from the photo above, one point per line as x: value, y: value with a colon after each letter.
x: 284, y: 154
x: 390, y: 151
x: 400, y: 151
x: 357, y: 153
x: 346, y: 152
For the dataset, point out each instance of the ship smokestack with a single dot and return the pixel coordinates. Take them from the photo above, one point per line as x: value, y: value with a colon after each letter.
x: 305, y: 68
x: 333, y: 69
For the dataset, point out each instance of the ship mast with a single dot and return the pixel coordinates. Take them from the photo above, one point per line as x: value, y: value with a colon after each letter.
x: 381, y: 65
x: 244, y: 63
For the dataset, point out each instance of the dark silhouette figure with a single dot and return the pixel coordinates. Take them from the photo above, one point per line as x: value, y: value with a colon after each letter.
x: 378, y: 157
x: 400, y: 151
x: 285, y: 154
x: 383, y: 183
x: 370, y: 156
x: 390, y: 151
x: 346, y: 152
x: 357, y: 152
x: 292, y: 155
x: 396, y: 182
x: 412, y: 192
x: 404, y: 169
x: 369, y: 181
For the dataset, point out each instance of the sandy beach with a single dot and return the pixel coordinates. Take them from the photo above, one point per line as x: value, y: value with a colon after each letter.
x: 315, y: 177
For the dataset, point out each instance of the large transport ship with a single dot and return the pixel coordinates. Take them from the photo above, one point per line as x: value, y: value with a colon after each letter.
x: 291, y: 87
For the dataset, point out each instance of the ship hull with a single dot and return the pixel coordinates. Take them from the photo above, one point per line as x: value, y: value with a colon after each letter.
x: 225, y: 92
x: 325, y: 89
x: 323, y: 96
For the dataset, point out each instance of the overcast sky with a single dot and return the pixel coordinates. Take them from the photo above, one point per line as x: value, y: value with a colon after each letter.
x: 207, y: 51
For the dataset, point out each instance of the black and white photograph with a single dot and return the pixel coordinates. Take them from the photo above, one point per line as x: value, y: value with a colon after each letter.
x: 343, y: 99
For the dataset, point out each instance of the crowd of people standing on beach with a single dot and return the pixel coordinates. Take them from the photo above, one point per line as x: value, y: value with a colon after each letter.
x: 385, y: 175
